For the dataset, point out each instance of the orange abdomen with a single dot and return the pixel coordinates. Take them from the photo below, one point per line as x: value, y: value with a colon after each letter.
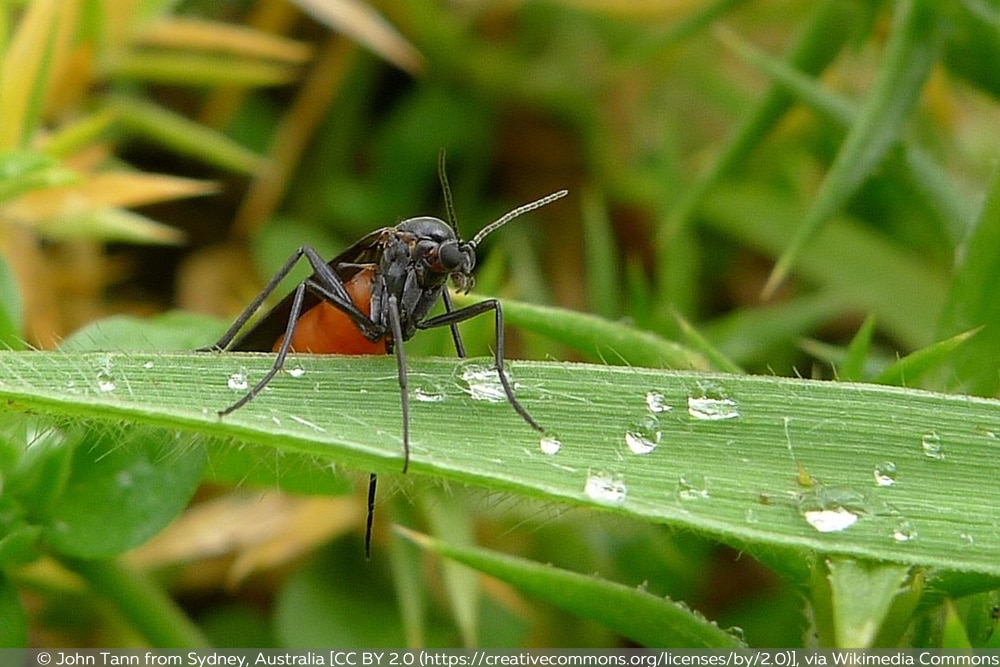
x: 324, y: 329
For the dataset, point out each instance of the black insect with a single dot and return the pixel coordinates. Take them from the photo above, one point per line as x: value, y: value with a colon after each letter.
x: 371, y: 298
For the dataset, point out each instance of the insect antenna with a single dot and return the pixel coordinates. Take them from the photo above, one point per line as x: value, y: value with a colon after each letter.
x: 520, y: 210
x: 449, y: 206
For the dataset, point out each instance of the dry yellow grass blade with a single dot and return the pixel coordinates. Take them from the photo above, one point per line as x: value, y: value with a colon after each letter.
x: 94, y: 208
x: 23, y: 73
x: 111, y: 189
x: 110, y: 224
x: 360, y: 22
x: 259, y: 531
x: 268, y: 17
x: 194, y: 34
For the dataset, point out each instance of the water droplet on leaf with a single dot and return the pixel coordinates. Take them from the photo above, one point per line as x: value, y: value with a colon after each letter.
x: 830, y: 520
x: 932, y: 446
x: 238, y: 380
x: 656, y: 402
x: 692, y: 486
x: 904, y: 531
x: 605, y: 489
x: 709, y: 408
x: 550, y: 445
x: 830, y: 510
x: 483, y: 383
x: 105, y: 380
x: 428, y: 391
x: 644, y: 436
x: 885, y: 473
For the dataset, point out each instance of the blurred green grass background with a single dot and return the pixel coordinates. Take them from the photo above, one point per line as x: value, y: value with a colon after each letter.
x: 790, y: 188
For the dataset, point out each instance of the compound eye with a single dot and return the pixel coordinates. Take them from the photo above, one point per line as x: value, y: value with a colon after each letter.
x: 426, y: 248
x: 451, y: 257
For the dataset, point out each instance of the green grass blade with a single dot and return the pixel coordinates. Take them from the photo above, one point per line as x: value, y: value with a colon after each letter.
x: 953, y: 634
x: 140, y: 600
x: 862, y: 593
x: 907, y: 371
x: 24, y: 171
x: 746, y: 335
x: 13, y: 619
x: 909, y: 55
x: 11, y: 308
x: 852, y: 368
x: 863, y: 268
x: 715, y: 356
x: 722, y: 460
x: 821, y: 40
x: 973, y: 300
x: 196, y: 69
x: 973, y: 44
x: 184, y: 136
x: 594, y: 337
x: 914, y: 165
x: 640, y: 616
x: 602, y: 258
x: 451, y: 521
x: 687, y: 26
x: 79, y: 133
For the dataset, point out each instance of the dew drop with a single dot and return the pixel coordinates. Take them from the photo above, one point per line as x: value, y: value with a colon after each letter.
x: 830, y: 520
x: 904, y: 531
x: 692, y: 486
x: 296, y: 371
x: 656, y: 402
x: 885, y: 473
x: 550, y: 445
x: 644, y: 436
x: 605, y: 489
x: 238, y: 380
x: 710, y: 408
x: 425, y: 396
x: 427, y: 391
x: 967, y: 540
x: 831, y: 510
x: 483, y: 383
x: 751, y: 515
x: 932, y: 446
x: 148, y: 365
x: 105, y: 380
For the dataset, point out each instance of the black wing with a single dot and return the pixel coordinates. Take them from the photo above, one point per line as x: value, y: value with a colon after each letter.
x: 261, y: 336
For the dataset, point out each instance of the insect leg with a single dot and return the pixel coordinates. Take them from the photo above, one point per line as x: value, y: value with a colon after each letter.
x: 343, y: 303
x: 334, y: 292
x: 279, y: 359
x: 463, y: 314
x: 404, y: 397
x: 455, y: 335
x: 248, y: 312
x: 397, y: 337
x: 372, y: 484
